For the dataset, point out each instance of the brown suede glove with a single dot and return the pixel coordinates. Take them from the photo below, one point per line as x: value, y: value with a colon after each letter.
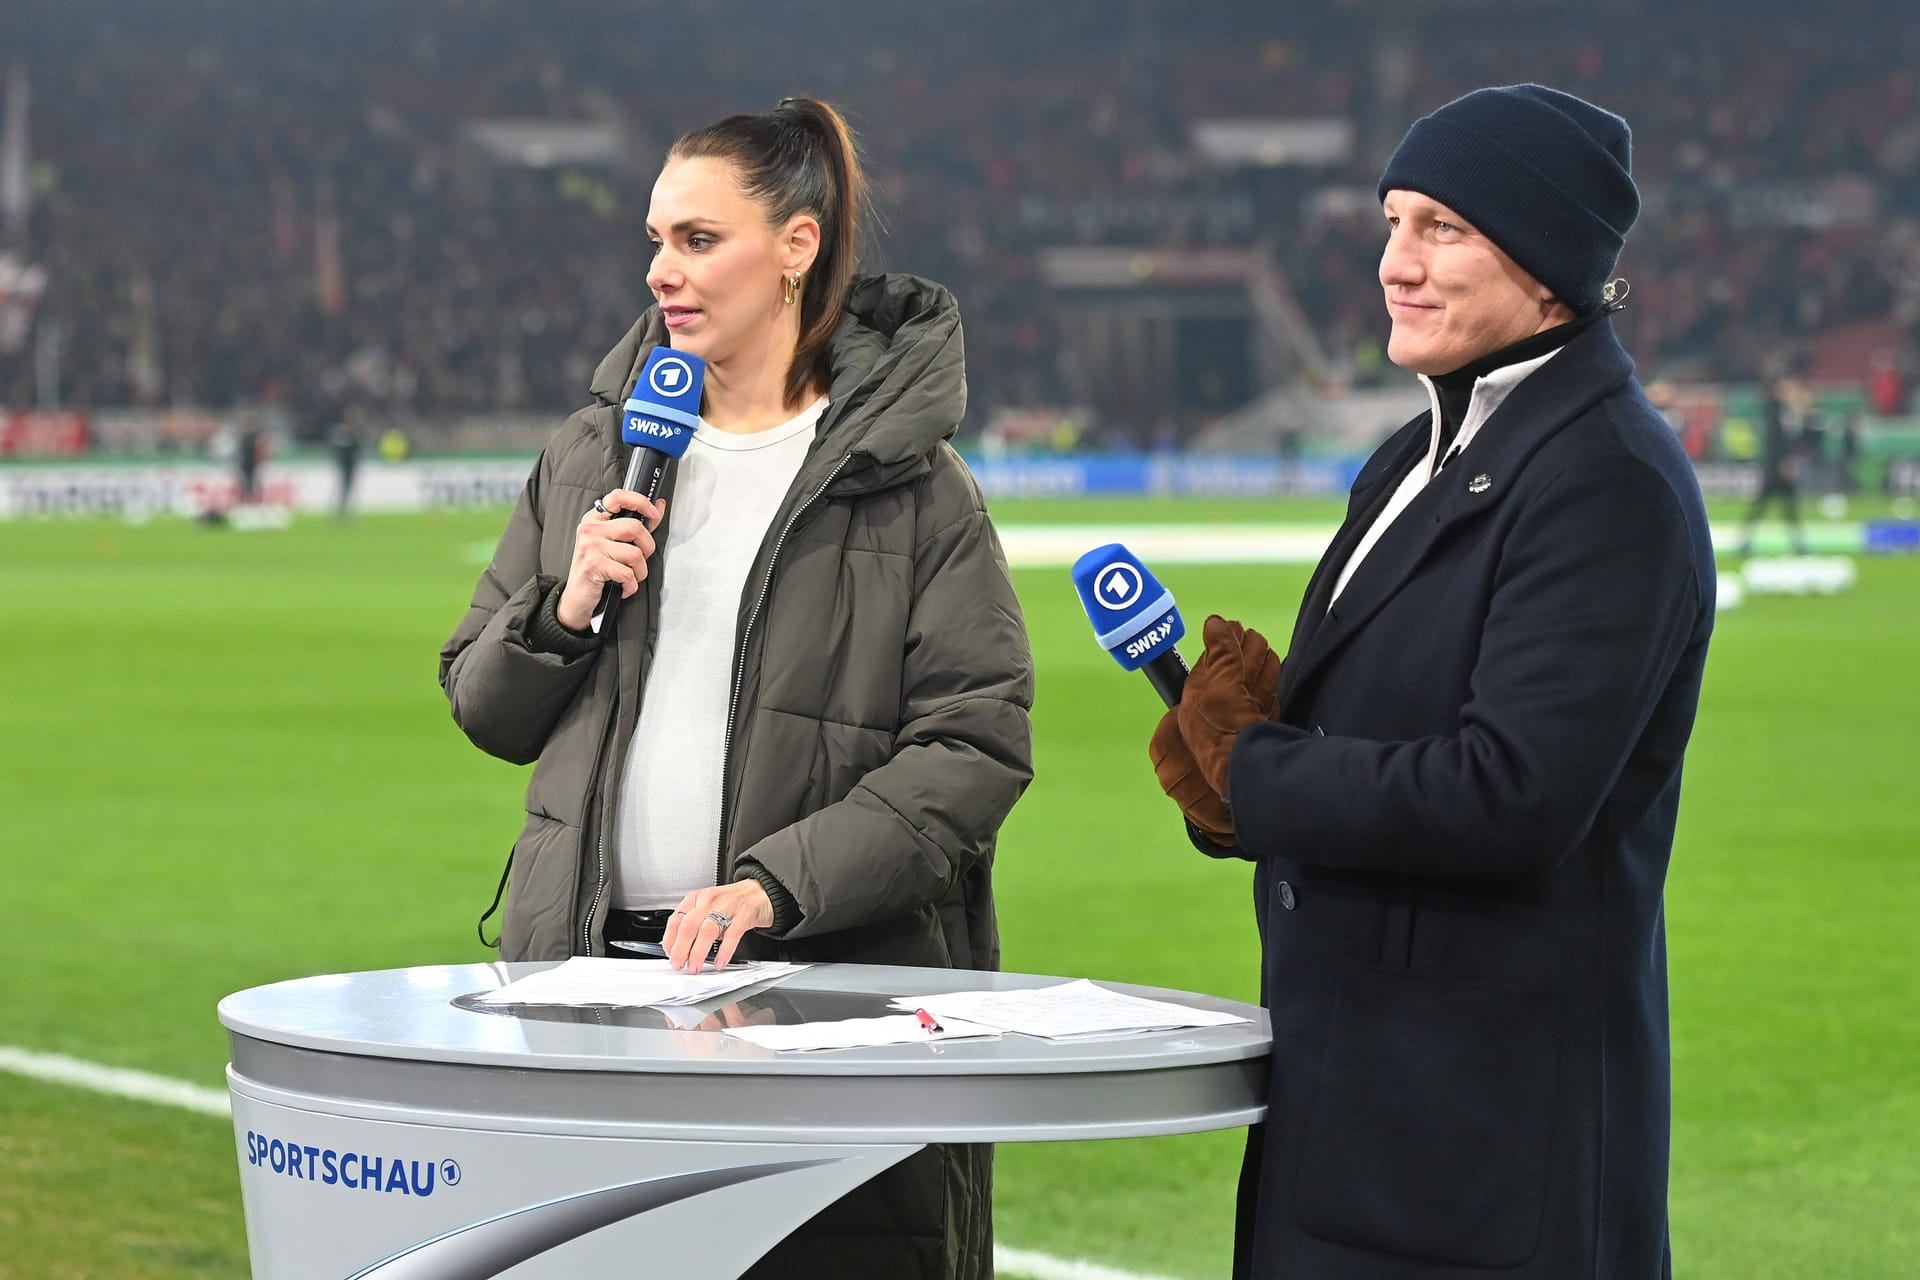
x: 1179, y: 776
x: 1236, y: 682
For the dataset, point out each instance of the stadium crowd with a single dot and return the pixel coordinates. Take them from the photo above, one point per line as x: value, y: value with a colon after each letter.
x: 240, y: 207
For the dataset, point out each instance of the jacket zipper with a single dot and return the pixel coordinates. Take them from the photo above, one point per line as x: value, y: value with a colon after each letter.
x: 740, y: 662
x: 610, y: 639
x: 600, y: 835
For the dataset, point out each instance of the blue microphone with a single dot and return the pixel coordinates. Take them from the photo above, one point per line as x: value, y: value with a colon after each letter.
x: 657, y: 422
x: 1133, y: 616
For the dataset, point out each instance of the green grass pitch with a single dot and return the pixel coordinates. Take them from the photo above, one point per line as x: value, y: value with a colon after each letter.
x: 226, y: 762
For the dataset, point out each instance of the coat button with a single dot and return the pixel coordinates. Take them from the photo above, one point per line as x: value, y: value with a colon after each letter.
x: 1286, y: 895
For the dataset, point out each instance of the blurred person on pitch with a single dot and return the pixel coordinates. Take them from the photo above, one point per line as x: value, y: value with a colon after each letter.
x: 1459, y: 790
x: 247, y: 455
x: 811, y: 715
x: 345, y: 442
x: 1786, y: 420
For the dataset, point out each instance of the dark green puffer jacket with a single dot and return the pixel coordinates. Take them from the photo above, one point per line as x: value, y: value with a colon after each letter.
x: 880, y: 733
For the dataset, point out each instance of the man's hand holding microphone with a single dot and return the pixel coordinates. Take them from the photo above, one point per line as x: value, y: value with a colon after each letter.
x: 1235, y: 683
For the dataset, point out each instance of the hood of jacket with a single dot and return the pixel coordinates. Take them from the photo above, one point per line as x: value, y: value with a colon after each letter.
x: 899, y: 383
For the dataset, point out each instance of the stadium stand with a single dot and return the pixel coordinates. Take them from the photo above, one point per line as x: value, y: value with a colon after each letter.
x: 432, y: 213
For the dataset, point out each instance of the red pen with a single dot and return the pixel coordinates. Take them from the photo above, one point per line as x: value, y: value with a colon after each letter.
x: 926, y: 1020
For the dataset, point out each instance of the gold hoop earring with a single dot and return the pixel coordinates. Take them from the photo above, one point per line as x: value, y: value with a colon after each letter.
x: 793, y: 288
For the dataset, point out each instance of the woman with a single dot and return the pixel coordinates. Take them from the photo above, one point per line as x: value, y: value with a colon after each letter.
x: 808, y: 717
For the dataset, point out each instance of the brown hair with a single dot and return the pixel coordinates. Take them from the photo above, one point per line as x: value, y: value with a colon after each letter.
x: 799, y: 158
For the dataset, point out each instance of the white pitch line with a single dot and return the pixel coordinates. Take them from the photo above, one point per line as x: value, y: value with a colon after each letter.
x: 1059, y: 545
x: 1043, y: 546
x: 142, y: 1086
x: 122, y: 1082
x: 1040, y: 1266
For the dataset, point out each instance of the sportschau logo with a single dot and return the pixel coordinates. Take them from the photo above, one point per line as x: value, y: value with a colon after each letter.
x: 670, y: 377
x: 1120, y: 585
x: 356, y: 1170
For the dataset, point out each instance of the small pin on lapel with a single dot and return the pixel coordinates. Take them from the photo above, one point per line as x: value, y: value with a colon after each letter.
x: 1480, y: 483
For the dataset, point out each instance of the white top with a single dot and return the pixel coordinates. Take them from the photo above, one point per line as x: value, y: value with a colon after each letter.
x: 667, y: 825
x: 1489, y: 393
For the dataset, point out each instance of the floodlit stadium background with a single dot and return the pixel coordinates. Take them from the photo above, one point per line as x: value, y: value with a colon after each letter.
x: 412, y: 230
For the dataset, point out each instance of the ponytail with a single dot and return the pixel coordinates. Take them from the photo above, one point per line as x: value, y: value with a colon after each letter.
x: 800, y: 158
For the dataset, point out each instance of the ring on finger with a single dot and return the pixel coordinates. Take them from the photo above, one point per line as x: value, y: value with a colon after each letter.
x: 722, y: 919
x: 601, y: 507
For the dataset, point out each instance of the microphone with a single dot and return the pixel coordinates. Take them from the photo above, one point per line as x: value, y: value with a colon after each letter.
x: 658, y: 423
x: 1133, y: 616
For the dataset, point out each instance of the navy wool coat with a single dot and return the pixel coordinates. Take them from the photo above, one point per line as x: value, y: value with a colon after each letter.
x: 1461, y: 822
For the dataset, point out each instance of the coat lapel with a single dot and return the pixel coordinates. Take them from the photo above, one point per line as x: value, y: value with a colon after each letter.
x: 1590, y: 367
x: 1371, y: 490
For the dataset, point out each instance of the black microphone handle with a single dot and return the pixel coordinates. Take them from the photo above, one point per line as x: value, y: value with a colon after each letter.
x: 1168, y: 675
x: 647, y: 474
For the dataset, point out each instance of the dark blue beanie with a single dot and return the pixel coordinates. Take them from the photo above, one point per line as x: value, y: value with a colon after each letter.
x: 1543, y: 174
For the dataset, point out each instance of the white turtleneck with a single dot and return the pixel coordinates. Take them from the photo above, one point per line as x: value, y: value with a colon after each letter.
x: 1489, y: 393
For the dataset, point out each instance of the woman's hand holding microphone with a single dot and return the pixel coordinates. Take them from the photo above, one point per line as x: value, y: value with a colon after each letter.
x: 611, y: 545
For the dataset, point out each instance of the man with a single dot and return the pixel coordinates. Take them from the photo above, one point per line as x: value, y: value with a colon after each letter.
x: 344, y: 442
x: 1460, y: 798
x: 1786, y: 425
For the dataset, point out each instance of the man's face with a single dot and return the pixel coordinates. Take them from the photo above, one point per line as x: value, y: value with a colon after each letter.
x: 1454, y: 296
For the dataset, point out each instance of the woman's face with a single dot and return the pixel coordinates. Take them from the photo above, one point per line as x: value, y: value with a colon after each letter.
x: 719, y: 271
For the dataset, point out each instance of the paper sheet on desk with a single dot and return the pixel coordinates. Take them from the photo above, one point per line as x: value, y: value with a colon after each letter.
x: 857, y: 1033
x: 605, y: 980
x: 1065, y: 1011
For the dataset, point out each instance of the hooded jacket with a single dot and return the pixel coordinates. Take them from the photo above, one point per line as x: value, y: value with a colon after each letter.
x: 882, y: 683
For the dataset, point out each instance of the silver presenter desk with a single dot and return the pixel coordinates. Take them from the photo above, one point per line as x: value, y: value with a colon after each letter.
x: 388, y: 1127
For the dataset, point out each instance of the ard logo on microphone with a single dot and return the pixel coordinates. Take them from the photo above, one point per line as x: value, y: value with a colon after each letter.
x: 1120, y: 585
x: 670, y: 376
